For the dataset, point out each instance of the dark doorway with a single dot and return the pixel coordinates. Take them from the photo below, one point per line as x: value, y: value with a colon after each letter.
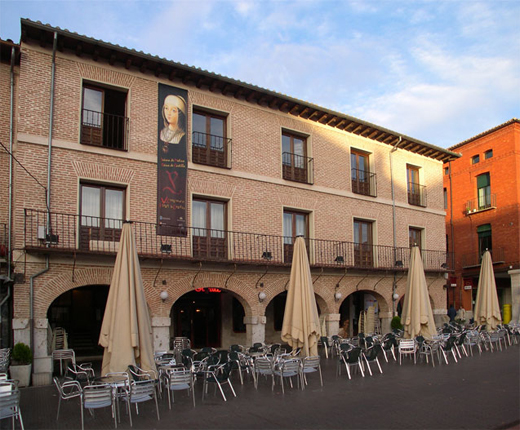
x: 197, y: 316
x: 80, y: 312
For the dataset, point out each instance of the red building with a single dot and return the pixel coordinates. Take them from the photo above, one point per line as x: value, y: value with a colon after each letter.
x: 482, y: 200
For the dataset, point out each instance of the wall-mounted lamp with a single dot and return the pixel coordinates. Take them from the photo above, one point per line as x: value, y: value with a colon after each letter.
x: 337, y: 296
x: 395, y: 296
x: 444, y: 265
x: 339, y: 259
x: 164, y: 295
x: 398, y: 263
x: 267, y: 255
x: 166, y: 248
x: 261, y: 296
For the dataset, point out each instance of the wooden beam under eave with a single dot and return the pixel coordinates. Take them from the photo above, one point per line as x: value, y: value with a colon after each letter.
x: 43, y: 42
x: 158, y: 71
x: 284, y: 107
x: 294, y: 110
x: 350, y: 126
x: 128, y: 63
x: 305, y: 113
x: 95, y: 55
x: 172, y: 74
x: 274, y: 103
x: 61, y: 44
x: 251, y: 96
x: 389, y: 138
x: 314, y: 115
x: 374, y: 134
x: 331, y: 121
x: 227, y: 89
x: 341, y: 123
x: 239, y: 94
x: 79, y: 49
x: 112, y: 59
x: 358, y: 129
x: 214, y: 86
x: 144, y: 66
x: 322, y: 118
x: 262, y: 101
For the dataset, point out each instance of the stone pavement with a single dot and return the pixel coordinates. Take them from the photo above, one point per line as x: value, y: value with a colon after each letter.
x: 479, y: 392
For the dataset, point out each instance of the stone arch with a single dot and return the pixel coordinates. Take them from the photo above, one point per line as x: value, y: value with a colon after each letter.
x: 55, y: 286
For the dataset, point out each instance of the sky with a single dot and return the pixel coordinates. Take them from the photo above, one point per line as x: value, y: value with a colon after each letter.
x: 438, y: 71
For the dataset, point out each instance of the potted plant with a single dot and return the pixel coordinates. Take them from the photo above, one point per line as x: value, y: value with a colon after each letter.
x: 21, y: 364
x: 395, y: 323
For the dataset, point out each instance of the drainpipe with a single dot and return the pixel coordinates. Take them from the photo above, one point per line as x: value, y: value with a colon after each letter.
x: 48, y: 195
x: 31, y: 301
x: 10, y: 203
x: 51, y: 123
x: 452, y: 236
x: 393, y: 216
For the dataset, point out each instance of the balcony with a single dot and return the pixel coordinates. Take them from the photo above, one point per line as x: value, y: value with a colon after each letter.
x: 104, y: 129
x: 72, y: 233
x: 297, y: 168
x: 364, y: 182
x: 474, y: 259
x: 210, y: 150
x: 416, y: 194
x: 480, y: 204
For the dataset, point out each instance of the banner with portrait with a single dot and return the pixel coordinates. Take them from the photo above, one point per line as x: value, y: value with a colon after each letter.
x: 172, y: 161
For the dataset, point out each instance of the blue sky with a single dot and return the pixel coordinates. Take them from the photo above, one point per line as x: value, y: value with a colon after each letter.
x: 439, y: 71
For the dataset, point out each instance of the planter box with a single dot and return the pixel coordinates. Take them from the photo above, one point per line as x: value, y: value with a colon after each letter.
x: 21, y: 374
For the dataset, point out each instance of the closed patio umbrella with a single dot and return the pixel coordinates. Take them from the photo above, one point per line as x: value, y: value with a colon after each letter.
x: 487, y: 308
x: 301, y: 323
x: 126, y: 332
x: 417, y: 316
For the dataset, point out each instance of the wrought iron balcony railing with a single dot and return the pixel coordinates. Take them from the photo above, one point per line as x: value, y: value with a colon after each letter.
x: 104, y: 129
x: 363, y: 182
x: 82, y: 234
x: 297, y: 168
x: 474, y: 259
x: 416, y: 194
x: 211, y: 150
x: 481, y: 203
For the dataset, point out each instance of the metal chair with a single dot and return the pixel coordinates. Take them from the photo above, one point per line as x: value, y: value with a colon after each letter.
x: 407, y: 347
x: 449, y: 346
x: 287, y: 369
x: 139, y: 392
x: 473, y: 339
x: 10, y: 402
x: 96, y: 397
x: 370, y: 356
x: 352, y: 358
x: 63, y: 355
x: 67, y: 390
x: 310, y: 365
x: 263, y: 367
x: 218, y: 375
x: 178, y: 379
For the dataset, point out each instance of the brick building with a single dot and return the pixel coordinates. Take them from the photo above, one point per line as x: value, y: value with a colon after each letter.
x: 482, y: 192
x: 218, y: 177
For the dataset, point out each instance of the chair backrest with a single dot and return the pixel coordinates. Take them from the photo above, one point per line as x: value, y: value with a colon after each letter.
x: 311, y: 362
x: 179, y: 376
x: 9, y: 401
x: 324, y: 341
x: 235, y: 348
x: 290, y: 366
x: 263, y: 365
x: 64, y: 354
x: 372, y: 352
x: 141, y: 389
x: 407, y: 344
x: 353, y: 355
x: 97, y: 396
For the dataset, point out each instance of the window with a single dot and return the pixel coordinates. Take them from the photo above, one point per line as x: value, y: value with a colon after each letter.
x: 484, y: 239
x: 209, y: 229
x: 101, y: 212
x: 296, y: 166
x: 238, y: 316
x: 446, y: 170
x: 488, y: 154
x: 475, y: 159
x: 103, y: 121
x: 445, y: 192
x: 209, y: 142
x: 294, y: 224
x: 483, y: 191
x: 360, y: 173
x: 363, y: 252
x: 416, y: 191
x: 415, y: 237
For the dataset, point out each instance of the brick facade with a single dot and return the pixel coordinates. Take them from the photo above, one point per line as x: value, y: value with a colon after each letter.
x: 502, y: 215
x: 254, y: 189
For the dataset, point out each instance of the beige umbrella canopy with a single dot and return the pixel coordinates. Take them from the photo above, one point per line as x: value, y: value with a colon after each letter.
x: 126, y: 332
x: 417, y: 316
x: 301, y: 323
x: 487, y: 308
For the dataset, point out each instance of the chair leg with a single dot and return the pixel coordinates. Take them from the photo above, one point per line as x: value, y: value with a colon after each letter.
x: 348, y: 370
x: 232, y: 389
x: 379, y: 365
x: 360, y: 365
x: 368, y: 365
x: 82, y: 419
x: 59, y: 404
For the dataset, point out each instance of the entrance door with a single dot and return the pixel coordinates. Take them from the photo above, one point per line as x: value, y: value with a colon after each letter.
x: 197, y: 316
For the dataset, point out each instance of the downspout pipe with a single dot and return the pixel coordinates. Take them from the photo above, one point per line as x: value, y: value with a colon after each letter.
x: 11, y: 138
x: 393, y: 215
x: 31, y: 300
x: 51, y: 124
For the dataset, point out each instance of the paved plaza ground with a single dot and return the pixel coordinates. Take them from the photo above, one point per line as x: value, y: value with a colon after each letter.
x: 479, y: 392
